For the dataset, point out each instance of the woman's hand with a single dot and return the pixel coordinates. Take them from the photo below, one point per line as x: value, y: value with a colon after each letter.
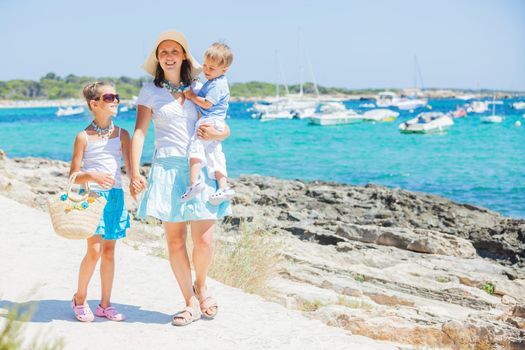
x: 208, y: 132
x: 104, y: 180
x: 137, y: 184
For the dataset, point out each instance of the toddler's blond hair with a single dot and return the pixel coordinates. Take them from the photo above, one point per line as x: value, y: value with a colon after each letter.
x: 219, y: 53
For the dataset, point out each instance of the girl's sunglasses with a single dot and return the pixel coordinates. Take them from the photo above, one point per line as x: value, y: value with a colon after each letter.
x: 108, y: 98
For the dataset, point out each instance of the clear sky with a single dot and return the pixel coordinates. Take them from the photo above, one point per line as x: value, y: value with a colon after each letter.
x: 353, y: 44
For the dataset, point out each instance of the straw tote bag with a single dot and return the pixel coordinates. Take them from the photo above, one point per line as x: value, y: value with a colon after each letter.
x: 76, y: 216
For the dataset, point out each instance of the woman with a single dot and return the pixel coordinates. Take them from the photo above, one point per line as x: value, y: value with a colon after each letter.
x: 174, y: 117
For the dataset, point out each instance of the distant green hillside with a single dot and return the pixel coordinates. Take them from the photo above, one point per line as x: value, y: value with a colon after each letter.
x: 258, y: 88
x: 52, y: 87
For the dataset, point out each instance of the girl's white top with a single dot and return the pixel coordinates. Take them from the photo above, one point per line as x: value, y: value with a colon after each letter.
x: 104, y: 156
x: 174, y: 124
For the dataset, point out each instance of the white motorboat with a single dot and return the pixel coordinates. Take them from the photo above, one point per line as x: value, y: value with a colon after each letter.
x: 69, y: 111
x: 380, y: 115
x: 465, y: 97
x: 330, y: 107
x: 518, y: 105
x: 410, y: 104
x: 478, y: 107
x: 386, y: 99
x: 390, y: 99
x: 336, y: 118
x: 334, y: 113
x: 276, y: 116
x: 297, y: 107
x: 130, y: 105
x: 427, y: 122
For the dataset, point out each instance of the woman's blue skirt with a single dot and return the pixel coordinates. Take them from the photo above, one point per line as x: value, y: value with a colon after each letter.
x: 168, y: 179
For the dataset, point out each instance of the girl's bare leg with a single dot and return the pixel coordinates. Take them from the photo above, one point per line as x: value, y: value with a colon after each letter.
x: 87, y: 267
x: 107, y: 271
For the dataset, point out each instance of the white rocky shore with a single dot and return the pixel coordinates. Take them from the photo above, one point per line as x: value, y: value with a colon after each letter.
x: 407, y: 268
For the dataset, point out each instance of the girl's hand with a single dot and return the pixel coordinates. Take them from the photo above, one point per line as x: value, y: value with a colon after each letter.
x: 104, y: 180
x: 208, y: 132
x: 137, y: 184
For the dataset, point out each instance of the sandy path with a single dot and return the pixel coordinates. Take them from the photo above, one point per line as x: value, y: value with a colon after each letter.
x: 36, y: 265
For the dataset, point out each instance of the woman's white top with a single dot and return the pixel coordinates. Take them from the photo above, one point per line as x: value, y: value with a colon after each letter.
x: 174, y: 124
x: 103, y: 156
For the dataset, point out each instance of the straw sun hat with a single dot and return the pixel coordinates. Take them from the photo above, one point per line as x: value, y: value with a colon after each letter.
x: 150, y: 65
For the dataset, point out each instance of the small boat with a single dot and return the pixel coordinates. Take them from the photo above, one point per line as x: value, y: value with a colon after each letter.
x: 124, y: 109
x: 298, y: 107
x: 427, y: 122
x: 518, y: 105
x: 334, y: 113
x: 380, y: 115
x: 390, y: 99
x: 492, y: 118
x: 386, y: 99
x: 69, y: 111
x: 465, y: 97
x: 478, y: 107
x: 458, y: 113
x: 367, y: 105
x: 277, y: 115
x: 336, y: 118
x: 410, y: 104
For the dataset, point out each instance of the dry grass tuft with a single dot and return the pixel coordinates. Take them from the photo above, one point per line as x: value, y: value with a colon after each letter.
x: 247, y: 260
x: 310, y: 306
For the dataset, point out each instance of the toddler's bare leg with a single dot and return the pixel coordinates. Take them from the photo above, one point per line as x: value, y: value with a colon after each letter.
x: 221, y: 179
x: 195, y: 169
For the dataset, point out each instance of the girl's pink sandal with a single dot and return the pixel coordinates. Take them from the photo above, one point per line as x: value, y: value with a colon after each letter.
x: 82, y: 312
x: 110, y: 313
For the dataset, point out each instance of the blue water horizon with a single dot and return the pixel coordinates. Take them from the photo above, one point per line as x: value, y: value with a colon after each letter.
x: 475, y: 163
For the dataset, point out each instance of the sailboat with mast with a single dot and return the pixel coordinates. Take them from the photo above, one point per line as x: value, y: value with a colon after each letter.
x: 414, y: 102
x: 492, y: 118
x: 290, y: 106
x: 390, y: 99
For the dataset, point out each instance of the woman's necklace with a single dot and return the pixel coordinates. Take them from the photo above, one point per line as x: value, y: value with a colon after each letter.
x: 104, y: 133
x: 174, y: 89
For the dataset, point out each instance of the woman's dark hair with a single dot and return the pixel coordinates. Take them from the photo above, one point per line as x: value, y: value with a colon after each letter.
x: 185, y: 73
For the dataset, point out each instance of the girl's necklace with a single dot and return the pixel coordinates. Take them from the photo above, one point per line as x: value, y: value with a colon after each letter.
x: 174, y: 89
x: 104, y: 133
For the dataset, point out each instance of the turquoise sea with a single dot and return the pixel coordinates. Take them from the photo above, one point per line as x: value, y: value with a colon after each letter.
x: 482, y: 164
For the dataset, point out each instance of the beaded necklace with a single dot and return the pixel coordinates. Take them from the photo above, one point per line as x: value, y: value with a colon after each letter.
x: 103, y: 133
x: 172, y: 88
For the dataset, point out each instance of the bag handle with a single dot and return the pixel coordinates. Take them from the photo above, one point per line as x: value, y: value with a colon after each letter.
x: 76, y: 197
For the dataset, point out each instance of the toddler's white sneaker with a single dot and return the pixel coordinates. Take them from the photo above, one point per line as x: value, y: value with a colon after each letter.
x: 192, y: 191
x: 221, y: 196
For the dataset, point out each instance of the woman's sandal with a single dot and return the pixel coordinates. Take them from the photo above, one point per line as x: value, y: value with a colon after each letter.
x: 82, y: 312
x: 207, y: 304
x: 110, y: 313
x: 186, y: 316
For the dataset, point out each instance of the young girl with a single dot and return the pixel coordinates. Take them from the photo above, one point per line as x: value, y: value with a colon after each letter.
x: 97, y: 158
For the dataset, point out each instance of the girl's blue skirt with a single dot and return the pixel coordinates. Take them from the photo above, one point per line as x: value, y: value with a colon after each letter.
x: 115, y: 219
